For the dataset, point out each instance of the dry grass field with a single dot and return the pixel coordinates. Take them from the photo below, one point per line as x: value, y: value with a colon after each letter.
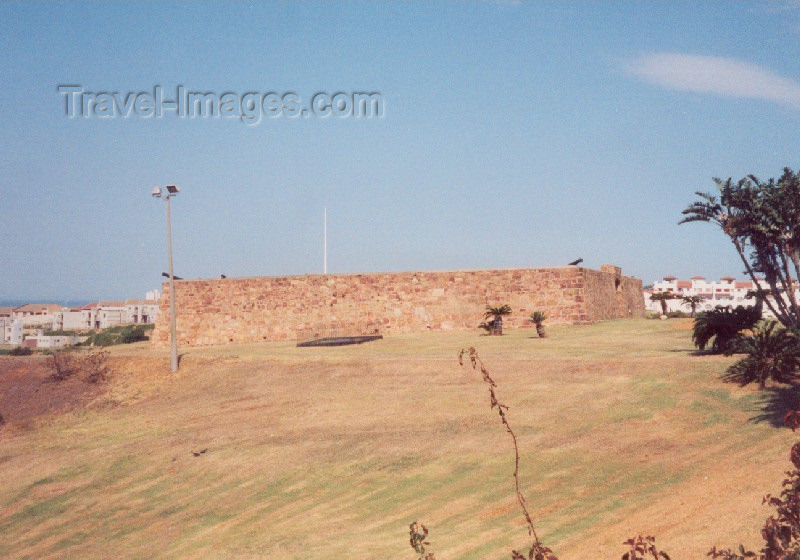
x: 329, y: 453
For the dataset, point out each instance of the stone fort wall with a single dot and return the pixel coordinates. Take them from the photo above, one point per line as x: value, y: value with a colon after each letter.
x: 220, y: 311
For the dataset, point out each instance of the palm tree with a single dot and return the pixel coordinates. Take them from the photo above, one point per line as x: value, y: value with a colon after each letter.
x: 692, y: 302
x: 760, y: 219
x: 662, y: 297
x: 538, y: 318
x: 496, y: 314
x: 724, y: 325
x: 760, y: 296
x: 772, y: 355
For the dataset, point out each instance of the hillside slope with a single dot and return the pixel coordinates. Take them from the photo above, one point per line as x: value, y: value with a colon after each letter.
x: 319, y: 453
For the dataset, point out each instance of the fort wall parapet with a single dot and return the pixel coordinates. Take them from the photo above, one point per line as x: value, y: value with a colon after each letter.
x: 236, y: 310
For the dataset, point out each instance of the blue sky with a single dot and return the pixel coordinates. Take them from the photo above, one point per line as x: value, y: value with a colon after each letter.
x: 513, y: 135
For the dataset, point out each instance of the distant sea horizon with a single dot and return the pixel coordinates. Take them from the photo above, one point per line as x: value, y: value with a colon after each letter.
x: 16, y: 302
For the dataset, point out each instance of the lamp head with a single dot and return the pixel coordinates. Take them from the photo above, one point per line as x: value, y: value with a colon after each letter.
x: 173, y: 189
x: 156, y: 191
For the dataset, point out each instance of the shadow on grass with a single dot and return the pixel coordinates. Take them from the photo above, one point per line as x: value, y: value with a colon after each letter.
x: 688, y: 351
x: 775, y: 402
x: 695, y: 352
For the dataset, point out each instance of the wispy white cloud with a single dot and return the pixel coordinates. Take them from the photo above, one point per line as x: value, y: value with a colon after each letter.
x: 717, y: 75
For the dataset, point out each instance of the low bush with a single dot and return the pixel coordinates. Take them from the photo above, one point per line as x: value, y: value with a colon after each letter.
x: 64, y: 364
x: 134, y: 335
x: 20, y: 351
x: 124, y: 334
x: 95, y: 366
x: 679, y: 315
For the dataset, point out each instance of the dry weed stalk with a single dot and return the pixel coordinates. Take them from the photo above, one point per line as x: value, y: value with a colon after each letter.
x: 781, y: 532
x: 418, y: 533
x: 642, y: 548
x: 537, y: 550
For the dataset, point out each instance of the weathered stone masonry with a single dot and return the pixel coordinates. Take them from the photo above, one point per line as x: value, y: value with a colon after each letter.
x: 219, y: 311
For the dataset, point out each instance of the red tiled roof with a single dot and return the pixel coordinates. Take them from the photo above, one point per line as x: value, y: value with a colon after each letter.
x: 728, y: 278
x: 670, y: 277
x: 48, y: 307
x: 684, y: 284
x: 698, y: 277
x: 741, y: 285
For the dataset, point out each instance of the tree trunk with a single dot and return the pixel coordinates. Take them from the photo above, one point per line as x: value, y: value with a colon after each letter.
x: 497, y: 326
x: 540, y: 330
x: 759, y: 306
x: 663, y: 307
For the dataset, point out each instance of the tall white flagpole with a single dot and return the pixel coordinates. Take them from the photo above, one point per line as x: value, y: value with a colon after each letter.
x: 325, y: 241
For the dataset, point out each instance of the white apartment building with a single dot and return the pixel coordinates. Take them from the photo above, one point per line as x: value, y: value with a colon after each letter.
x: 141, y: 310
x: 11, y: 330
x: 726, y: 292
x: 109, y: 314
x: 105, y: 314
x: 36, y: 314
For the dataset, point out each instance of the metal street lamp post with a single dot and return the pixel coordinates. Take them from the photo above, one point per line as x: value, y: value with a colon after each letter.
x: 172, y: 190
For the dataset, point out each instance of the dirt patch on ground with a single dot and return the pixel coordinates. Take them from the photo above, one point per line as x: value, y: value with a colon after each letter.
x: 26, y: 392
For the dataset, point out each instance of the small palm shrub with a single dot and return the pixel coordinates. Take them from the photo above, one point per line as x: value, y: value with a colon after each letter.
x: 724, y: 326
x: 496, y: 315
x: 538, y: 318
x: 772, y: 353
